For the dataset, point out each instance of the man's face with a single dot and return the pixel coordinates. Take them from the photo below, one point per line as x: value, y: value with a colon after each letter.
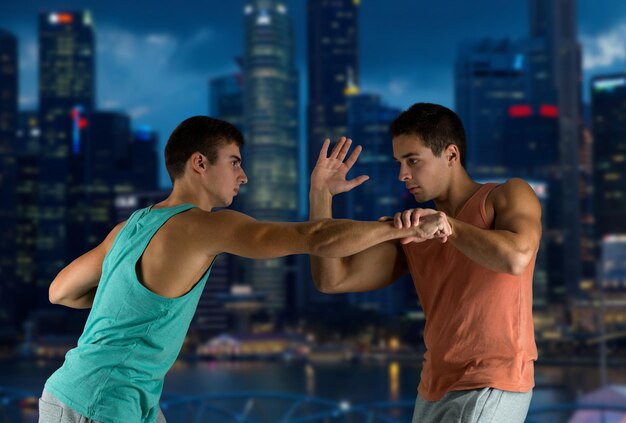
x: 424, y: 174
x: 224, y: 178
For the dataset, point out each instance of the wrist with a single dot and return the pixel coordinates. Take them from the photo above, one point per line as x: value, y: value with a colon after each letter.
x: 454, y: 225
x: 319, y: 192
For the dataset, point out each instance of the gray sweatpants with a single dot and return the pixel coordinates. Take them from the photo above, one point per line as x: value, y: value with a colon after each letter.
x: 52, y: 410
x: 486, y: 405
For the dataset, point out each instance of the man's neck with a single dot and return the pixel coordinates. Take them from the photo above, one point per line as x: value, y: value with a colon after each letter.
x: 461, y: 189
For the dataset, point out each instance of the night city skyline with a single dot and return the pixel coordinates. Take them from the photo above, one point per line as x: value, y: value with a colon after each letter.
x: 90, y: 92
x: 155, y: 64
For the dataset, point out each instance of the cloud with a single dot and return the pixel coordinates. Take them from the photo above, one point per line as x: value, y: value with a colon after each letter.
x: 604, y: 49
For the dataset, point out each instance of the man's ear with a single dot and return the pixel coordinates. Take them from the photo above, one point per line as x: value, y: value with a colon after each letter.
x: 198, y: 162
x: 452, y: 154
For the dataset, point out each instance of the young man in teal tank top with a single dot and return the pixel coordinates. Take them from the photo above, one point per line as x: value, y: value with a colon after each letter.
x: 143, y: 282
x: 476, y: 290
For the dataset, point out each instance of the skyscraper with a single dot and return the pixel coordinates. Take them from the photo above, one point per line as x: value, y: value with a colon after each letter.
x: 490, y: 88
x: 8, y: 173
x: 368, y: 120
x: 608, y: 95
x: 271, y: 128
x: 144, y: 159
x: 212, y: 318
x: 66, y: 83
x: 226, y: 99
x: 30, y: 296
x: 554, y: 21
x: 101, y: 168
x: 333, y: 62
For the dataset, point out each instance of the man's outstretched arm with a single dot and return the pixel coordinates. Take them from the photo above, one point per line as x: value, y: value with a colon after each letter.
x: 75, y: 286
x: 228, y: 231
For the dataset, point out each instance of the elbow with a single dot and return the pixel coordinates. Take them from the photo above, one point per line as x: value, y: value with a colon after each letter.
x: 327, y: 286
x: 327, y: 289
x: 518, y: 263
x: 54, y: 294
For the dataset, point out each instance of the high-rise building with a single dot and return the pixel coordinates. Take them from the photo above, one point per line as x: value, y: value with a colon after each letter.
x: 554, y: 21
x: 66, y: 84
x: 271, y: 129
x: 608, y: 94
x: 8, y: 174
x: 490, y: 88
x: 333, y: 69
x: 144, y: 158
x: 368, y: 122
x: 30, y: 296
x: 226, y: 99
x: 101, y: 168
x: 226, y: 103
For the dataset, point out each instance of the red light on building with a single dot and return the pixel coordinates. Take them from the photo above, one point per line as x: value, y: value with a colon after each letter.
x: 82, y: 123
x: 520, y: 111
x: 64, y: 18
x: 547, y: 110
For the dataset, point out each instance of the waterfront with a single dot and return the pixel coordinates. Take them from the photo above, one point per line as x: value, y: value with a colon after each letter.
x: 355, y: 383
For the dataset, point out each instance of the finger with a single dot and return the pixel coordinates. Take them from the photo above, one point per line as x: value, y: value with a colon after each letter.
x: 357, y: 181
x: 406, y: 218
x: 397, y: 222
x: 324, y: 150
x: 385, y: 218
x: 337, y: 148
x: 415, y: 218
x: 344, y: 150
x: 355, y: 155
x: 407, y: 240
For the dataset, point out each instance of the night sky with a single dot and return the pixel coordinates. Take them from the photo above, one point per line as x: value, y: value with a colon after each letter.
x: 154, y: 59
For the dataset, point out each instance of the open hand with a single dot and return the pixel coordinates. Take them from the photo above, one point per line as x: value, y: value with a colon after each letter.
x: 330, y: 172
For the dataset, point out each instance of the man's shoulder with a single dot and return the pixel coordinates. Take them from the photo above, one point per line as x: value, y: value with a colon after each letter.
x: 512, y: 193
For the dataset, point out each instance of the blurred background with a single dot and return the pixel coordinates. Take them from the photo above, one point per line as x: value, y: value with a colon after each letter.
x: 90, y: 91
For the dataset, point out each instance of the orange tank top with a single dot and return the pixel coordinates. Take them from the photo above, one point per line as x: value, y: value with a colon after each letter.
x: 479, y: 327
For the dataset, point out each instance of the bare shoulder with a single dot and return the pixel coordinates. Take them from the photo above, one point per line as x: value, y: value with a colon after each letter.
x: 515, y: 194
x: 200, y: 219
x: 207, y: 231
x: 514, y: 191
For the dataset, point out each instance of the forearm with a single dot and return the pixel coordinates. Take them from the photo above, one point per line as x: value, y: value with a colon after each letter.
x: 76, y: 284
x: 86, y: 301
x: 497, y: 250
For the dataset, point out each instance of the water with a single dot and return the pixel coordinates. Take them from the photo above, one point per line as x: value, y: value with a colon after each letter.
x: 362, y: 383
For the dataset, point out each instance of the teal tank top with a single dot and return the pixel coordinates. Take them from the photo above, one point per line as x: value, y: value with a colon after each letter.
x: 132, y: 336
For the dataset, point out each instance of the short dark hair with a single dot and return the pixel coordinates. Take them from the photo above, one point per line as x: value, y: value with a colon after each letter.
x: 435, y: 125
x: 202, y: 134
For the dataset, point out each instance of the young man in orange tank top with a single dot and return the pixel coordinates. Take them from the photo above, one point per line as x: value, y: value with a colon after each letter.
x: 475, y: 289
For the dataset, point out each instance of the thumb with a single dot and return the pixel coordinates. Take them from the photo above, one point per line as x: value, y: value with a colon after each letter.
x: 358, y: 181
x: 385, y: 218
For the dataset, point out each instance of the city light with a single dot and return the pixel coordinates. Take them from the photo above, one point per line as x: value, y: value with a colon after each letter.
x: 60, y: 18
x: 520, y: 111
x: 609, y: 84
